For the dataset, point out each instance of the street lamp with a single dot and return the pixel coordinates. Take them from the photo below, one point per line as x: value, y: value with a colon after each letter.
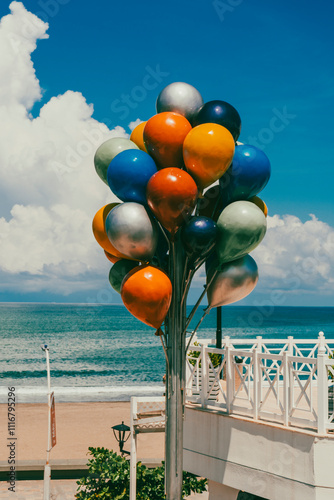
x: 120, y: 431
x: 47, y: 468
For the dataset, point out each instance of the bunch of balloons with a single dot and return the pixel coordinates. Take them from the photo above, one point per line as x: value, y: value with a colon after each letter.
x: 162, y: 175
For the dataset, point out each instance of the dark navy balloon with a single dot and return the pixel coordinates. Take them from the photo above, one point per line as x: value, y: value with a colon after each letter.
x: 220, y: 112
x: 247, y: 176
x: 128, y: 174
x: 199, y: 237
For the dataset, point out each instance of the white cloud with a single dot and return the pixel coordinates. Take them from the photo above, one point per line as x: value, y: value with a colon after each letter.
x: 49, y: 190
x: 19, y: 33
x: 296, y: 256
x: 133, y: 125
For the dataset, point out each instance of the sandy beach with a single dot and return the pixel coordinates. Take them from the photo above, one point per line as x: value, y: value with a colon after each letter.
x: 78, y: 426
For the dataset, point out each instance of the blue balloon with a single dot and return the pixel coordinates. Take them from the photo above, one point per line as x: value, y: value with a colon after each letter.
x: 128, y: 174
x: 199, y: 236
x: 248, y: 174
x: 220, y: 112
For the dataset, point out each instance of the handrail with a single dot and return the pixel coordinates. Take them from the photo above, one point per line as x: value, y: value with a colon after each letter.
x: 287, y: 384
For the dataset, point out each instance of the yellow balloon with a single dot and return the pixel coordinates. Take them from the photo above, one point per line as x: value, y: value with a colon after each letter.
x: 260, y: 203
x: 208, y: 151
x: 137, y: 136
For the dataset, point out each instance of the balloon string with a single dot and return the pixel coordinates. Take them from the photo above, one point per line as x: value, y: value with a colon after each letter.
x: 160, y: 333
x: 187, y: 284
x: 165, y: 351
x: 189, y: 279
x: 215, y: 207
x: 197, y: 206
x: 206, y: 311
x: 184, y: 273
x: 191, y: 315
x: 164, y: 233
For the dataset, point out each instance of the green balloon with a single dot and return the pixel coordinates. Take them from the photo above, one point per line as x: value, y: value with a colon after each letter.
x: 118, y: 271
x: 107, y: 152
x: 241, y: 227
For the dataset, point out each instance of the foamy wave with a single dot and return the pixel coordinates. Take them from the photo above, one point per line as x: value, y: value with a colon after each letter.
x: 38, y: 394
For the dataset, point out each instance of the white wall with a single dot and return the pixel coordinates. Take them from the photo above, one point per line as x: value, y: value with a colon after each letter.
x: 260, y: 458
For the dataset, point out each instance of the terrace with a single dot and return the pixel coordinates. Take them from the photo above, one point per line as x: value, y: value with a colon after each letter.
x: 259, y: 417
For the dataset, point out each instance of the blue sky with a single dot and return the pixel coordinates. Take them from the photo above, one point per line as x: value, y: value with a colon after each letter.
x: 258, y: 56
x: 268, y: 59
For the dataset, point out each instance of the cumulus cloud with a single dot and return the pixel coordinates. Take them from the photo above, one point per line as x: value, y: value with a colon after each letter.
x: 296, y: 256
x: 19, y: 33
x: 49, y: 191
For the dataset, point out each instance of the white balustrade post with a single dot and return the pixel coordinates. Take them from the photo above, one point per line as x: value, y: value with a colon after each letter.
x: 189, y: 380
x: 258, y: 375
x: 256, y: 384
x: 229, y: 377
x: 322, y: 386
x: 286, y: 386
x: 204, y: 375
x: 290, y: 376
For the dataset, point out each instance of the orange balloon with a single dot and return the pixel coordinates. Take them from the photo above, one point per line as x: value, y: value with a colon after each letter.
x: 147, y: 293
x: 100, y: 232
x: 208, y: 151
x: 137, y: 136
x: 112, y: 258
x: 164, y: 134
x: 171, y: 195
x: 260, y: 203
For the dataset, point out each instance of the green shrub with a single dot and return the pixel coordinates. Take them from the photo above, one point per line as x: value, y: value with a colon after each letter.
x: 215, y: 358
x: 109, y: 479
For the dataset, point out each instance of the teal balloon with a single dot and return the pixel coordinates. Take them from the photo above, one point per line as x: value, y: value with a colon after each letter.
x: 107, y: 152
x: 118, y: 271
x: 241, y: 227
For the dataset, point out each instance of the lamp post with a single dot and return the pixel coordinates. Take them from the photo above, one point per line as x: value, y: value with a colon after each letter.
x: 47, y: 468
x: 120, y: 431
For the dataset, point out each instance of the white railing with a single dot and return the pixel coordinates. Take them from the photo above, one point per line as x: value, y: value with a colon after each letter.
x: 284, y: 381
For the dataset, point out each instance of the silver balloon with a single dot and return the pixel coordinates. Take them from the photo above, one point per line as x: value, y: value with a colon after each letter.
x: 181, y: 98
x: 241, y: 227
x: 132, y: 231
x: 234, y: 281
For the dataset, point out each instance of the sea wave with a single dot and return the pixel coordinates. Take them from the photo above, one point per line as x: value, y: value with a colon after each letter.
x: 38, y: 394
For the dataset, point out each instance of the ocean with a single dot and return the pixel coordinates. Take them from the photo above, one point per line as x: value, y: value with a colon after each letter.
x: 102, y: 353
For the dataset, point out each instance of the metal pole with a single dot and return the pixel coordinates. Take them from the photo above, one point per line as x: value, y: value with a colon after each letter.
x: 219, y: 336
x: 133, y: 454
x: 219, y: 328
x: 175, y: 327
x: 47, y: 468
